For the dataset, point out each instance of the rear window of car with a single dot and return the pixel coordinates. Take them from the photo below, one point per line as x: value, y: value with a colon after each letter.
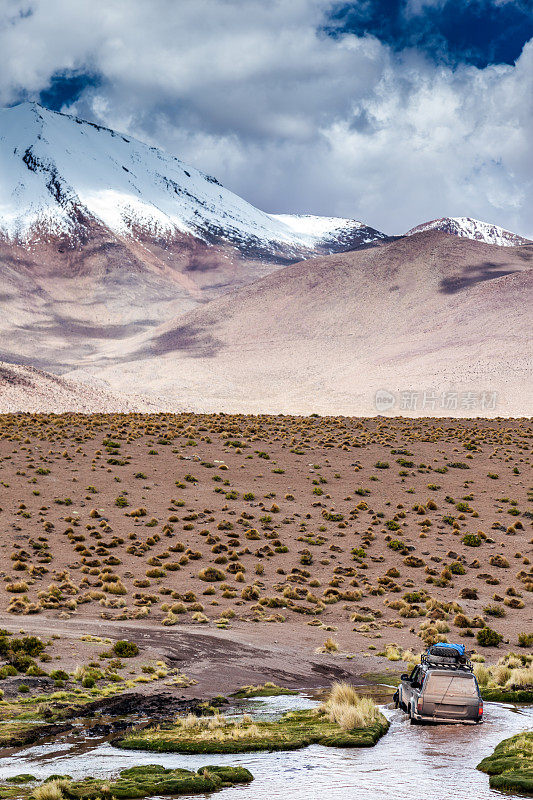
x: 451, y: 685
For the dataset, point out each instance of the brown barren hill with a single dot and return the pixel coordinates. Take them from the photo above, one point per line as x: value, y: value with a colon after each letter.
x: 429, y: 313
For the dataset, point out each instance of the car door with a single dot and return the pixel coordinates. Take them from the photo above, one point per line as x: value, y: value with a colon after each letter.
x: 408, y: 686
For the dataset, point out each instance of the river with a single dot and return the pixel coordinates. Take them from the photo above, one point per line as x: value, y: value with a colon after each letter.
x: 415, y: 762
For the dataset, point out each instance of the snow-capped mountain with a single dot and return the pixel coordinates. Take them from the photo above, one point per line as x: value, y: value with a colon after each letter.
x: 64, y: 179
x: 61, y: 175
x: 469, y: 228
x: 103, y: 237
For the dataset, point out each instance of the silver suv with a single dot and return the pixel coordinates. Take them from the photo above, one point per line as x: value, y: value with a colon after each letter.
x: 440, y: 692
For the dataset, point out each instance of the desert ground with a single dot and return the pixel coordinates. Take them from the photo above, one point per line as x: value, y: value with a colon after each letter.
x: 240, y: 549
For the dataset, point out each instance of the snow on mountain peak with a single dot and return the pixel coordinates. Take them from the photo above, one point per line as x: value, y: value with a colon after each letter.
x: 318, y: 227
x: 62, y: 175
x: 59, y: 171
x: 469, y: 228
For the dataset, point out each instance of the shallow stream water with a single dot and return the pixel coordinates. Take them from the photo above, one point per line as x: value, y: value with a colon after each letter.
x: 415, y: 762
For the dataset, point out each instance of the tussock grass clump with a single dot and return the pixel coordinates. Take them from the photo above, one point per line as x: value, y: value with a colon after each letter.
x: 50, y: 790
x: 329, y: 646
x: 393, y: 653
x: 511, y: 679
x: 521, y: 677
x: 345, y: 707
x: 211, y: 574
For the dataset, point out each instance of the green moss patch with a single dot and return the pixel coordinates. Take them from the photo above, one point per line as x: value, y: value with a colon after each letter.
x: 9, y: 791
x: 267, y: 690
x: 507, y: 695
x: 55, y: 705
x: 292, y: 731
x: 150, y: 780
x: 510, y: 767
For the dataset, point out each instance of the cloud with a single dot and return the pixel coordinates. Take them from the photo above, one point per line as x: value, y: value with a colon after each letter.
x: 284, y: 114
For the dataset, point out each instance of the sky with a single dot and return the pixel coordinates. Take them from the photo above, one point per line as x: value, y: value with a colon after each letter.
x: 393, y: 112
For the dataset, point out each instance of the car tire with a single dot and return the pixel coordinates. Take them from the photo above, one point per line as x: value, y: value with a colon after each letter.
x: 412, y: 719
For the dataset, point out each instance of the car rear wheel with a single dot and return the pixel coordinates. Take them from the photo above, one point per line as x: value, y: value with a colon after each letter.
x: 412, y: 719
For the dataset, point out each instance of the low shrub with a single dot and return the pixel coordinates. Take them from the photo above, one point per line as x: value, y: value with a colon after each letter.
x: 471, y: 540
x: 125, y: 649
x: 487, y: 637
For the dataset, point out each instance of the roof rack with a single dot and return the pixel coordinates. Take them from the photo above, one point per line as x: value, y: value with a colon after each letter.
x: 441, y: 663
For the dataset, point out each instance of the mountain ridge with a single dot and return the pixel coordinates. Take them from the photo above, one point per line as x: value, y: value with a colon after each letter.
x: 124, y: 266
x: 61, y: 172
x: 168, y: 199
x: 475, y: 229
x: 430, y: 313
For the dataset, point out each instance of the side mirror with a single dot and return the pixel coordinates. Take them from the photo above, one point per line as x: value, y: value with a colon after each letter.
x: 404, y: 677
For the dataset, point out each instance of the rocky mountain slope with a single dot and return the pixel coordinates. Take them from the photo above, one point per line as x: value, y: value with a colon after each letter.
x: 118, y: 260
x: 61, y: 175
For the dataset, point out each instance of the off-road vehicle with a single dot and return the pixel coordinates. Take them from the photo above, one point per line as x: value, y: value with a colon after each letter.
x: 442, y: 688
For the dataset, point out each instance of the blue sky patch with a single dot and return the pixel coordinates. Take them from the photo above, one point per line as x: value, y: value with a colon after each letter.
x: 478, y: 32
x: 66, y: 88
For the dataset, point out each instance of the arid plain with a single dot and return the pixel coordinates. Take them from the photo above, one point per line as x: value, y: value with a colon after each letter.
x: 239, y: 547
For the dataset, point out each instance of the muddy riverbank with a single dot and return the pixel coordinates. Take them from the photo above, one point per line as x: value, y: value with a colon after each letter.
x: 217, y: 662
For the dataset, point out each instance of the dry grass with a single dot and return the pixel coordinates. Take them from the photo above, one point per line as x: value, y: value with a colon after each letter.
x: 220, y: 728
x: 51, y: 790
x: 393, y: 653
x: 345, y: 707
x: 521, y: 677
x: 510, y: 671
x: 329, y: 646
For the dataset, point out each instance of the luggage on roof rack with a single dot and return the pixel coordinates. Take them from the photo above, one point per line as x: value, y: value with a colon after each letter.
x: 446, y: 650
x: 443, y: 654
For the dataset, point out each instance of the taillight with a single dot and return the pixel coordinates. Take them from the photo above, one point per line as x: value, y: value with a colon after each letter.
x: 480, y: 709
x: 419, y: 705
